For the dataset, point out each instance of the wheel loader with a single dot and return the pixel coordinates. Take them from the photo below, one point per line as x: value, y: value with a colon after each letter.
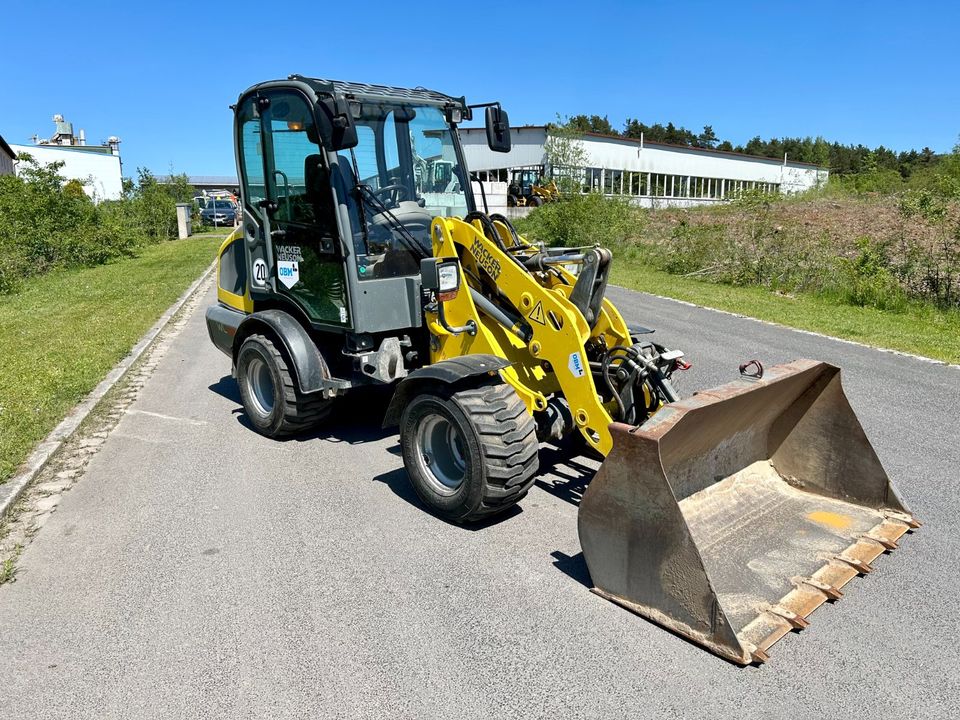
x: 727, y: 516
x: 528, y: 188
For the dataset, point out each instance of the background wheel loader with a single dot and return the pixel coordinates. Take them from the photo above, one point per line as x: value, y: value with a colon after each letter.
x: 528, y: 188
x: 728, y: 516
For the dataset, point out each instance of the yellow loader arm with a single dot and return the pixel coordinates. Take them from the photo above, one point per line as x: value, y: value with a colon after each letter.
x: 547, y: 342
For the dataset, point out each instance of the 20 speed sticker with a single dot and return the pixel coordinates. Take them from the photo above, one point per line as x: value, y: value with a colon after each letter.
x: 259, y: 272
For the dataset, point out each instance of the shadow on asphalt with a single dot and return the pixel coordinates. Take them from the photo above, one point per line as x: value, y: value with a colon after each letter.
x: 356, y: 421
x: 398, y: 482
x: 569, y: 474
x: 574, y: 566
x: 227, y: 387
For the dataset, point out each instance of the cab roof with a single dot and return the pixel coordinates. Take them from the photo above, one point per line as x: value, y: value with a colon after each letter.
x: 366, y: 91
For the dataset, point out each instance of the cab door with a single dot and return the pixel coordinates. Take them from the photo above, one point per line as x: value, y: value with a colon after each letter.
x: 294, y: 241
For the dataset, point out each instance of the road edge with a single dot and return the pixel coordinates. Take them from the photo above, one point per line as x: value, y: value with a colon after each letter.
x: 38, y: 459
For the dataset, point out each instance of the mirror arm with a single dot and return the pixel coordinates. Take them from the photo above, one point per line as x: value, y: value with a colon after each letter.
x: 486, y: 105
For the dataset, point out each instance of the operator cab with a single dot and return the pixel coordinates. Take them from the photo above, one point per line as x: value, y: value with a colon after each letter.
x: 339, y: 183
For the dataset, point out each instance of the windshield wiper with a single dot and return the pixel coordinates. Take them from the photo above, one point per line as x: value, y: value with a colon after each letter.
x: 408, y: 240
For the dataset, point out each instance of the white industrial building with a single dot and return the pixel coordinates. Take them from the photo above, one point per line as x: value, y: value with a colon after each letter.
x: 97, y: 167
x: 651, y: 174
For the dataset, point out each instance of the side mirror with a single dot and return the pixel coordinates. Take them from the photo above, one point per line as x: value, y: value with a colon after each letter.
x: 341, y: 129
x: 498, y: 129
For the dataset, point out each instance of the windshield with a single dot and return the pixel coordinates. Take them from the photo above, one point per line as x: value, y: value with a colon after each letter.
x: 221, y: 205
x: 407, y: 163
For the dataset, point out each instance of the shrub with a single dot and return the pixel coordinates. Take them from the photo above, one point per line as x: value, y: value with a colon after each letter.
x: 576, y: 220
x: 880, y: 252
x: 867, y: 279
x: 47, y: 223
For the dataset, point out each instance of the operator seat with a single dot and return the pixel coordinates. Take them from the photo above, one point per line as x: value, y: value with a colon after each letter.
x: 345, y: 182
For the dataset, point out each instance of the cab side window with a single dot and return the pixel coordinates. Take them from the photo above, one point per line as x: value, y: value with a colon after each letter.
x: 251, y: 154
x: 297, y: 176
x: 284, y: 164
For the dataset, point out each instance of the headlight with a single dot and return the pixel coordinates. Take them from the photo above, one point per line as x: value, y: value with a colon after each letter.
x: 449, y: 277
x: 442, y: 276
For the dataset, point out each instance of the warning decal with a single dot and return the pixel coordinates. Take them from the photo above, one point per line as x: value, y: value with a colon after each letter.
x: 537, y: 314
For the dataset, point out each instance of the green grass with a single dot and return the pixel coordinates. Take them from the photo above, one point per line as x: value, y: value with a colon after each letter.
x: 921, y: 330
x: 64, y: 331
x: 8, y: 568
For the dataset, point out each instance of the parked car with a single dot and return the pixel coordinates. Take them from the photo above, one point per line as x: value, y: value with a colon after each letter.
x: 219, y: 212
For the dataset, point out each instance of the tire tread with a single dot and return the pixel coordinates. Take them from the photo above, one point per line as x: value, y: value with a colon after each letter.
x: 300, y: 412
x: 508, y: 439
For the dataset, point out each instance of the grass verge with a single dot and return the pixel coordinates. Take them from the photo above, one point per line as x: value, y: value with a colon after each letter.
x: 920, y: 329
x: 64, y: 331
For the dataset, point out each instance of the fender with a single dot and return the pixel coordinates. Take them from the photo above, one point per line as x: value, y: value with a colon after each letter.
x: 446, y: 372
x: 309, y: 367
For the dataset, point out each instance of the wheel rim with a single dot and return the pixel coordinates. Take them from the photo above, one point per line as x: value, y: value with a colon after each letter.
x: 260, y: 386
x: 440, y: 453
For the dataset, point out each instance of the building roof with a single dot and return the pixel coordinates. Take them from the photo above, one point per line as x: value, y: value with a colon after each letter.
x: 6, y: 148
x: 689, y: 148
x: 217, y: 180
x: 87, y: 149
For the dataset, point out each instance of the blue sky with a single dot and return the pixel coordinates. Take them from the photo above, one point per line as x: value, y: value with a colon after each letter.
x: 161, y: 75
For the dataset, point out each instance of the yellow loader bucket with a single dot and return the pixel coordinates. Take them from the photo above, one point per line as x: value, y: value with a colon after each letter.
x: 730, y: 516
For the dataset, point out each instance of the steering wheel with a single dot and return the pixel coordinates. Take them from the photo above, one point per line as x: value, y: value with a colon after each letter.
x: 392, y: 195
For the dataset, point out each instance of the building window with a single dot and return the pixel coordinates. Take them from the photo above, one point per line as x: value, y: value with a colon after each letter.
x: 614, y: 183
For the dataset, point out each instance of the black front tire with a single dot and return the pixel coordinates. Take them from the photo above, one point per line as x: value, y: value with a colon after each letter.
x: 470, y: 453
x: 271, y: 397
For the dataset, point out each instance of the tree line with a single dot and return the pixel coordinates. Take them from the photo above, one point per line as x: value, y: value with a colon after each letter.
x: 840, y: 159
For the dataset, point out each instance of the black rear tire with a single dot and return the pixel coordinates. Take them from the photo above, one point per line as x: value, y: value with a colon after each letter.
x: 471, y: 453
x: 512, y: 200
x: 271, y: 397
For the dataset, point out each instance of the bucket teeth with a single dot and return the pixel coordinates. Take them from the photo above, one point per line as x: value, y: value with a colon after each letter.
x: 886, y: 543
x: 857, y: 564
x: 795, y: 621
x: 909, y: 520
x: 830, y: 591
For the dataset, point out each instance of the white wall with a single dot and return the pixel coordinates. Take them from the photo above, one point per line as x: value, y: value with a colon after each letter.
x: 618, y: 155
x: 527, y: 149
x: 621, y: 154
x: 100, y: 172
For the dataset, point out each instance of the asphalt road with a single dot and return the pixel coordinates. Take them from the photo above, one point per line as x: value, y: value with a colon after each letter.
x: 200, y: 570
